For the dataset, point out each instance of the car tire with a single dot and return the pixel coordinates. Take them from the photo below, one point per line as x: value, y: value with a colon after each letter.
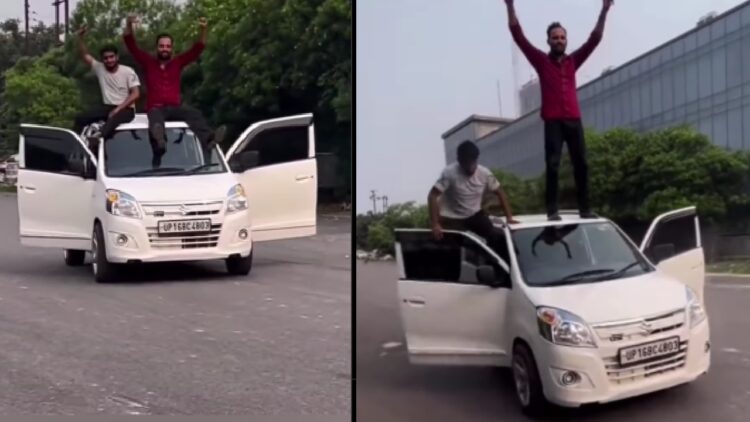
x: 527, y: 384
x: 239, y: 265
x: 74, y: 258
x: 104, y: 271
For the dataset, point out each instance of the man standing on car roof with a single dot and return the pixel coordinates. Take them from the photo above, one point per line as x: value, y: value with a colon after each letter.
x: 560, y: 109
x: 163, y: 73
x: 461, y: 187
x: 120, y: 88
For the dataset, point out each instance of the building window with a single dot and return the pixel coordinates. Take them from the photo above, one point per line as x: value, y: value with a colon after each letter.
x: 666, y: 89
x: 704, y: 76
x: 720, y: 130
x: 719, y: 69
x: 704, y: 36
x: 691, y: 79
x: 733, y: 22
x: 734, y: 64
x: 718, y: 29
x: 679, y: 85
x: 735, y: 129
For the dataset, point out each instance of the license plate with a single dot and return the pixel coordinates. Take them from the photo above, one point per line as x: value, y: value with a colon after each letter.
x: 184, y: 226
x: 646, y: 351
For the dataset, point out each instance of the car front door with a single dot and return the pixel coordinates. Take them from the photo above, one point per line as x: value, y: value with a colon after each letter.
x: 275, y: 162
x: 673, y: 243
x: 56, y: 179
x: 452, y: 309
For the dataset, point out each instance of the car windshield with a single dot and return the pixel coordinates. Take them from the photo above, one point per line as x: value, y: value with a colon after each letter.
x: 576, y: 253
x: 128, y: 154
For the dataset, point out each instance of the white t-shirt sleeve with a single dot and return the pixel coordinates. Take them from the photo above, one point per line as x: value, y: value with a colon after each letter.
x: 97, y: 67
x: 444, y: 181
x: 492, y: 183
x: 132, y: 79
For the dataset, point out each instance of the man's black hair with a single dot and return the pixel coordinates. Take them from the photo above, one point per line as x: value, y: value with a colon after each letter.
x: 164, y: 35
x: 467, y: 152
x: 108, y: 49
x: 552, y: 26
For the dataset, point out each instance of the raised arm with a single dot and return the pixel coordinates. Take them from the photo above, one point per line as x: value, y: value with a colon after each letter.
x: 82, y: 49
x: 195, y: 51
x: 129, y: 37
x: 533, y: 54
x: 579, y: 56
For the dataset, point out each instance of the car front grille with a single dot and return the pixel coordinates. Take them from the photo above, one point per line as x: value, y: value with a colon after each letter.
x: 184, y: 240
x: 640, y: 328
x: 180, y: 209
x: 620, y: 375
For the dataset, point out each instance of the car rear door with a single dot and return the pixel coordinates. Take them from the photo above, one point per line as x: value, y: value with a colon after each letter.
x: 448, y: 316
x: 673, y: 244
x: 282, y: 186
x: 54, y: 200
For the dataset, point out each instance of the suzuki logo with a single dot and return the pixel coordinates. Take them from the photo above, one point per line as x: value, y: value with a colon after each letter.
x: 184, y: 210
x: 645, y: 328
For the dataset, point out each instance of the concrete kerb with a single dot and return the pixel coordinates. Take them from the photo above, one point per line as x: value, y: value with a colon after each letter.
x: 734, y: 277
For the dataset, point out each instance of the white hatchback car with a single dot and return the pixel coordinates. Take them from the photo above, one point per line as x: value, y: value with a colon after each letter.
x: 120, y: 206
x: 577, y: 310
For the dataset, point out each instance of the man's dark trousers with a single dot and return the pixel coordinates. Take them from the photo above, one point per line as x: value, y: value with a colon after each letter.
x: 557, y: 132
x: 481, y: 224
x: 189, y: 115
x: 100, y: 113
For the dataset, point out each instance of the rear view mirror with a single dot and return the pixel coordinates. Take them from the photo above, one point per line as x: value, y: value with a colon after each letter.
x: 486, y: 274
x: 244, y: 161
x: 663, y: 252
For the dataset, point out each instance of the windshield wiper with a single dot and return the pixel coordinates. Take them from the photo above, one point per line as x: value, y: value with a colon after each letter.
x: 199, y: 168
x: 159, y: 170
x: 579, y: 276
x: 618, y: 273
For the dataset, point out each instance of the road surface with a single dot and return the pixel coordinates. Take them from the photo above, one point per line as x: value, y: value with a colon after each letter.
x: 179, y: 339
x: 388, y: 388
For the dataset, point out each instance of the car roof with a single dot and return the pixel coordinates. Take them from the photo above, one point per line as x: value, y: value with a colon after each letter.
x: 141, y: 122
x: 540, y: 220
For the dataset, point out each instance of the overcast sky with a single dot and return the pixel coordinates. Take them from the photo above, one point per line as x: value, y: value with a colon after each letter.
x: 425, y: 65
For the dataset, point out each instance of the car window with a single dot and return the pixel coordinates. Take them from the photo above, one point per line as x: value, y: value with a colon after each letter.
x: 455, y: 258
x: 579, y: 252
x: 280, y: 145
x: 51, y: 151
x: 679, y: 232
x: 128, y: 154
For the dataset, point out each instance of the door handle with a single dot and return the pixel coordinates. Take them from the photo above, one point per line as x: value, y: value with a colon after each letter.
x: 418, y: 303
x: 301, y: 178
x: 29, y: 188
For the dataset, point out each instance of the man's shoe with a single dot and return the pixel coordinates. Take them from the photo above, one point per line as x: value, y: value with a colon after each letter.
x: 159, y: 135
x: 588, y: 215
x: 554, y: 217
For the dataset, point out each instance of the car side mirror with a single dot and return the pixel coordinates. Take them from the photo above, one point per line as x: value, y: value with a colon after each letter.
x: 663, y: 252
x: 244, y: 161
x: 486, y: 275
x: 77, y: 166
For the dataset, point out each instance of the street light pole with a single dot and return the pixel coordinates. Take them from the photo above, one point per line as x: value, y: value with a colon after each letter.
x: 26, y: 34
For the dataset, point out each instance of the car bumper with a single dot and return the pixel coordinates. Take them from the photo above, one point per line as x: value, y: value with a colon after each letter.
x: 601, y: 382
x: 145, y: 244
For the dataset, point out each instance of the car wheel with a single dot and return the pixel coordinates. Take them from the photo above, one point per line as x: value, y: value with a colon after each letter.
x: 239, y: 265
x: 528, y: 385
x: 104, y: 271
x: 74, y: 258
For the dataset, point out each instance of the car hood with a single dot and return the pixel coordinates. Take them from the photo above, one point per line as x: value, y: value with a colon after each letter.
x: 197, y: 187
x: 614, y: 300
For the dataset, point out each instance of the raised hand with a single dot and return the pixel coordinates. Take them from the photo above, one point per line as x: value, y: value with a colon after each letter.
x: 81, y: 31
x: 203, y: 23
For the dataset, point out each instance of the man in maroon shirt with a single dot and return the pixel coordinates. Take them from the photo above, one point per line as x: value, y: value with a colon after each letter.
x: 560, y: 111
x: 162, y: 74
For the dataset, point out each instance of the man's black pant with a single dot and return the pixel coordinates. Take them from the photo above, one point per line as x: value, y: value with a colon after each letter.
x: 189, y: 115
x: 480, y: 224
x: 100, y: 113
x: 557, y: 132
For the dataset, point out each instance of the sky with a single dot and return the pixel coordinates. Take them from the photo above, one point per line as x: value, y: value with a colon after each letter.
x: 422, y: 66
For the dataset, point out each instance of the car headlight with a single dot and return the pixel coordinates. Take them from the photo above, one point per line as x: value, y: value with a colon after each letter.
x: 564, y: 328
x: 695, y: 310
x: 122, y: 204
x: 236, y: 199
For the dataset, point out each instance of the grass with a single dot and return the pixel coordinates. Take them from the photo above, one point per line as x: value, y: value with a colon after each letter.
x: 730, y: 267
x: 6, y: 188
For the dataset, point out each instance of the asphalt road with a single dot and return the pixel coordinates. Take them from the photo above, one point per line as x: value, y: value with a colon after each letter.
x: 181, y: 338
x: 389, y: 388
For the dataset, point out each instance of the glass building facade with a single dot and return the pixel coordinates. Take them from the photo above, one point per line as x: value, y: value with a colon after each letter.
x: 701, y: 78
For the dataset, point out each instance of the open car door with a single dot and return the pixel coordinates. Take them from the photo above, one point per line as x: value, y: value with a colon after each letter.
x: 673, y: 243
x: 56, y: 178
x: 452, y: 295
x: 275, y: 162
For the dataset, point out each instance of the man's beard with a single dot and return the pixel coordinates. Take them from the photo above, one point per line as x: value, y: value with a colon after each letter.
x: 112, y: 66
x: 165, y: 56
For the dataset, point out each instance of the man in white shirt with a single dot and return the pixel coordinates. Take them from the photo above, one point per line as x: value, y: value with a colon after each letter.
x: 459, y: 190
x: 120, y: 90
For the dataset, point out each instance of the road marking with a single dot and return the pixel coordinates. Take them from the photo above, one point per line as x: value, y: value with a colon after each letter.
x: 731, y: 286
x: 391, y: 345
x: 730, y: 350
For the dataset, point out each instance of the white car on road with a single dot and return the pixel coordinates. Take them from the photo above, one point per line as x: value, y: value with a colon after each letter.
x: 196, y: 205
x: 577, y: 310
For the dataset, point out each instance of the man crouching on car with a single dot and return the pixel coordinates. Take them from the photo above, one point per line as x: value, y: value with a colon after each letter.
x: 459, y: 190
